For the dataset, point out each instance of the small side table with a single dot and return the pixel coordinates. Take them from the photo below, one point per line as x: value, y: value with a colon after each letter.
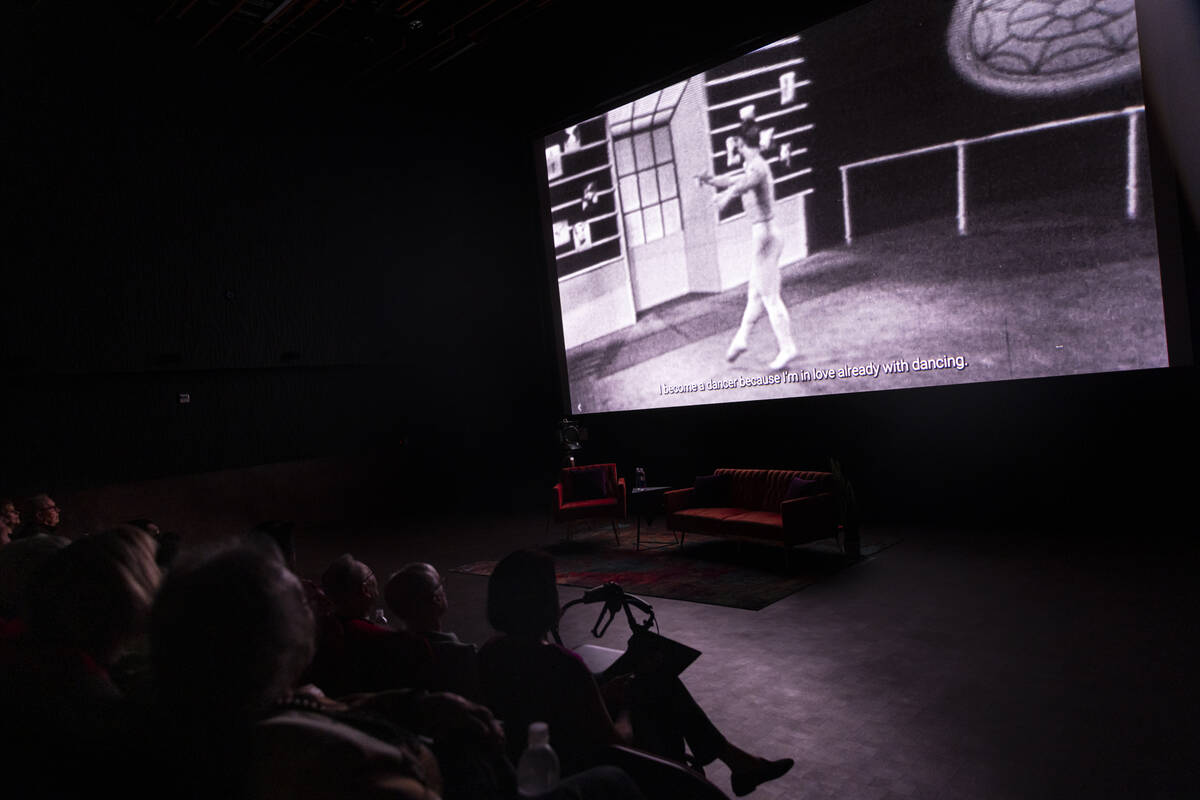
x: 648, y: 502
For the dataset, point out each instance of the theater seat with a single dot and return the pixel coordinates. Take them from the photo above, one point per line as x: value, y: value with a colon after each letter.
x: 660, y: 777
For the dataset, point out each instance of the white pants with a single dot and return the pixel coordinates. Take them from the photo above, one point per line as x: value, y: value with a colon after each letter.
x: 764, y: 288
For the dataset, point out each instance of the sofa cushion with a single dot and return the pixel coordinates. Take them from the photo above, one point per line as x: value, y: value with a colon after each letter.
x: 801, y: 487
x: 759, y: 524
x: 701, y: 520
x: 712, y: 491
x: 604, y: 506
x: 587, y: 484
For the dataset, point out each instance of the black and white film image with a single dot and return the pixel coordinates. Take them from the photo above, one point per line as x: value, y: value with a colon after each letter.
x: 911, y: 194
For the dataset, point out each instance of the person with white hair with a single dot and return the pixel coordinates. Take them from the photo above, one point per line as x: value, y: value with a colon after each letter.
x: 416, y: 596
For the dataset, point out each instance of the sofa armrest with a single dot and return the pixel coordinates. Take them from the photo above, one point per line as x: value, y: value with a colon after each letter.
x: 815, y: 516
x: 622, y: 496
x: 557, y: 492
x: 679, y: 499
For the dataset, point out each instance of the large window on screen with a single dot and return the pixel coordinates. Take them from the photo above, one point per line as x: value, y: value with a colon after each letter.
x: 910, y: 194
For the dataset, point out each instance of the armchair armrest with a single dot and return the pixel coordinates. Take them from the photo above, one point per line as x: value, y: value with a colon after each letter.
x: 679, y: 499
x: 622, y: 496
x: 558, y: 495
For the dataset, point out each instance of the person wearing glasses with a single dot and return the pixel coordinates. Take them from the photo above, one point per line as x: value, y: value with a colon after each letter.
x: 359, y: 652
x: 45, y: 520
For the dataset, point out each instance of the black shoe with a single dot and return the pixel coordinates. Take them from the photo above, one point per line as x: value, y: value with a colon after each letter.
x: 747, y: 781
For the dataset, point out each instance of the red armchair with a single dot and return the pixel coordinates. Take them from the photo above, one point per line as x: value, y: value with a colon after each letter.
x: 590, y: 492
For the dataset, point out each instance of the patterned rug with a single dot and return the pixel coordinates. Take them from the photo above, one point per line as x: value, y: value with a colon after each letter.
x: 705, y: 570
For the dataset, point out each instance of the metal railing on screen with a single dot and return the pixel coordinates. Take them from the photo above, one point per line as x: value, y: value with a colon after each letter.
x: 961, y: 145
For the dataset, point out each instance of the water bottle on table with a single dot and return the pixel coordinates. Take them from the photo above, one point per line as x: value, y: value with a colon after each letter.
x: 640, y: 480
x: 537, y: 770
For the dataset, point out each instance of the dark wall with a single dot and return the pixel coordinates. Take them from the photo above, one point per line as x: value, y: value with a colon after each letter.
x: 322, y: 273
x: 336, y: 272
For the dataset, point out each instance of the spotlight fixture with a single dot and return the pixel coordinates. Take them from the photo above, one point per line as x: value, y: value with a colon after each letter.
x: 571, y: 435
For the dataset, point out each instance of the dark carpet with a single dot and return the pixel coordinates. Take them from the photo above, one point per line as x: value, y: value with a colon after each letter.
x: 706, y: 569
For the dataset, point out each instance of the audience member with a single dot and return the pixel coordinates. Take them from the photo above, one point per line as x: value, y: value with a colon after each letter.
x: 417, y: 598
x: 5, y: 533
x: 85, y: 603
x: 19, y: 562
x: 276, y: 537
x: 230, y: 635
x: 241, y: 727
x: 9, y: 513
x: 357, y: 654
x: 45, y: 517
x: 167, y: 542
x: 526, y: 678
x: 10, y: 519
x: 280, y: 532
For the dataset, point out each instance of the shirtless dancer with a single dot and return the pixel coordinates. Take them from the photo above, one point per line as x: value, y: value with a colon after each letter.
x: 758, y: 196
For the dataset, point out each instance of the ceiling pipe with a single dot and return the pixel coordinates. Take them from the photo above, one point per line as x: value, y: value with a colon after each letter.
x: 166, y: 11
x: 267, y: 22
x: 306, y: 31
x: 428, y: 51
x: 452, y: 56
x: 291, y: 21
x: 275, y: 12
x: 186, y: 9
x: 498, y: 17
x: 406, y: 8
x: 221, y: 21
x: 466, y: 16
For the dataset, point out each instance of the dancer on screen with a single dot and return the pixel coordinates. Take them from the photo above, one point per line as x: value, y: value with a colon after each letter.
x: 757, y: 191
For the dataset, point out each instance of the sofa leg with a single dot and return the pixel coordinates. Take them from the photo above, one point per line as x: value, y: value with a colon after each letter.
x: 616, y: 535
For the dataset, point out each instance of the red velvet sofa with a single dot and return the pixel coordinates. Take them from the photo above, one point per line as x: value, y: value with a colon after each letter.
x: 754, y: 504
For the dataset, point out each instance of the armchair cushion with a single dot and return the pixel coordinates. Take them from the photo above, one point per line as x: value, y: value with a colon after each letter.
x: 587, y: 484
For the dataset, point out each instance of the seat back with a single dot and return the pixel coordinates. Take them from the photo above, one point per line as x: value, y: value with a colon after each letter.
x: 747, y: 487
x: 765, y: 489
x: 590, y: 482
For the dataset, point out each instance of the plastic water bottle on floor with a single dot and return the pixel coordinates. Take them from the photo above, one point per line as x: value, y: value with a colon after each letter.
x: 537, y: 771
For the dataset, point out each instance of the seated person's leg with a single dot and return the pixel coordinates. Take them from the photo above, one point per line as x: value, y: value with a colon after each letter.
x: 665, y: 715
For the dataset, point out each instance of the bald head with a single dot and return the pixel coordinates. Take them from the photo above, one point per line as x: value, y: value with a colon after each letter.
x: 350, y: 585
x: 415, y: 595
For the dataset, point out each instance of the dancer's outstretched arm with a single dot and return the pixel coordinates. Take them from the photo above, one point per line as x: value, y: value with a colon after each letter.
x: 734, y: 185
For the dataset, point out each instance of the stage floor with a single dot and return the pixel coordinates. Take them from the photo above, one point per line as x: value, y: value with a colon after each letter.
x: 955, y: 664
